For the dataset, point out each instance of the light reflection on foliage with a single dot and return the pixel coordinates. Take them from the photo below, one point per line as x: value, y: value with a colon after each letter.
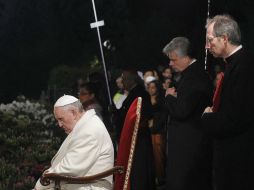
x: 28, y: 140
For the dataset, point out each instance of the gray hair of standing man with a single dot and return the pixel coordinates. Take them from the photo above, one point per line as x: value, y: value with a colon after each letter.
x: 225, y: 25
x: 181, y: 45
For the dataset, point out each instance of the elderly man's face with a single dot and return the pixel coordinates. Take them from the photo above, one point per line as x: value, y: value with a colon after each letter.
x: 65, y: 118
x: 215, y: 45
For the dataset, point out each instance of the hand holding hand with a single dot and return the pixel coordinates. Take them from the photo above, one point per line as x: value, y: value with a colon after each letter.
x: 171, y: 91
x: 208, y: 110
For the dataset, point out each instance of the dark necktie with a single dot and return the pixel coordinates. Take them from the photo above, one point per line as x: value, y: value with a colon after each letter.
x: 217, y: 93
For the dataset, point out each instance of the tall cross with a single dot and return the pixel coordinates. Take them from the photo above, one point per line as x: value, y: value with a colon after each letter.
x: 96, y: 25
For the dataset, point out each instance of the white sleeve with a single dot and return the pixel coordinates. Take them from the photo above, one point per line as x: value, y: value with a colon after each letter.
x: 81, y: 155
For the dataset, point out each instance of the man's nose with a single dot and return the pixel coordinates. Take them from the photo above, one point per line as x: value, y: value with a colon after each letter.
x: 207, y: 45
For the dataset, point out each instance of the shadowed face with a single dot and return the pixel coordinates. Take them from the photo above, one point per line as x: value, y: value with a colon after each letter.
x: 176, y: 62
x: 167, y: 73
x: 128, y: 80
x: 166, y: 84
x: 66, y: 118
x: 152, y: 89
x: 119, y: 83
x: 85, y: 95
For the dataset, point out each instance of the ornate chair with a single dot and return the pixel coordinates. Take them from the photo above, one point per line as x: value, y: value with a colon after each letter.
x: 125, y: 154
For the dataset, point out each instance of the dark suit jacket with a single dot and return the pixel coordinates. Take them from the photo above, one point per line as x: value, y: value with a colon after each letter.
x: 233, y: 126
x: 189, y: 150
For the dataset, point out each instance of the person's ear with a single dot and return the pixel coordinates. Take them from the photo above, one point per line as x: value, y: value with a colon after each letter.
x: 225, y: 38
x: 74, y: 113
x: 186, y: 59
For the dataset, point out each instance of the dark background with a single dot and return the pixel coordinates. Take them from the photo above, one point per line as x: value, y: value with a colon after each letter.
x: 36, y: 36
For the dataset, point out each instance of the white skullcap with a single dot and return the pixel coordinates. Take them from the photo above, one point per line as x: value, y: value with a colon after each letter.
x: 149, y: 79
x: 65, y: 100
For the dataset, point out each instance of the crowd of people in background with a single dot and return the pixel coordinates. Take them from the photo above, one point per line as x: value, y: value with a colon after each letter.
x: 153, y: 85
x: 185, y: 142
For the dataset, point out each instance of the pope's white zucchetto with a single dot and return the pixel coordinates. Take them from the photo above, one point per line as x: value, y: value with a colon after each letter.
x: 65, y: 100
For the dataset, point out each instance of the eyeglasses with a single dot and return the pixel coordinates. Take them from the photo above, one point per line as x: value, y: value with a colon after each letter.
x: 210, y: 39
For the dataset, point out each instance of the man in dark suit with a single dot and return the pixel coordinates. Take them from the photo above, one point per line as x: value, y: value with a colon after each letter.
x: 189, y: 162
x: 231, y: 124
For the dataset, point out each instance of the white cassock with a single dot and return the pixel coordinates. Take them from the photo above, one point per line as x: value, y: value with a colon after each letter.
x: 86, y: 151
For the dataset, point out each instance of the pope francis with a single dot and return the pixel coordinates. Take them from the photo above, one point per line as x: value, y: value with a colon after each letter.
x: 87, y: 150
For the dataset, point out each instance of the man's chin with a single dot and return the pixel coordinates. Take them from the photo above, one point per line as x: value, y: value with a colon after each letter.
x: 214, y: 54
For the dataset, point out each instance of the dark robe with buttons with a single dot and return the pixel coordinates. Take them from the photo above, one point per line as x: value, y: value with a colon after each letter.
x: 189, y: 162
x: 232, y: 126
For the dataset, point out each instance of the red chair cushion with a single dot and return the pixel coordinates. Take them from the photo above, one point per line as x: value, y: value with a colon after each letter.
x: 125, y: 144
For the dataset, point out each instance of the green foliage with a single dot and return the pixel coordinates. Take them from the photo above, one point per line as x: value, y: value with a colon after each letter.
x: 95, y: 65
x: 28, y: 141
x: 65, y: 76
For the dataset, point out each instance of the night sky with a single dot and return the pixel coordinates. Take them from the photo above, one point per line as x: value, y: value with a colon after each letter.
x: 37, y: 36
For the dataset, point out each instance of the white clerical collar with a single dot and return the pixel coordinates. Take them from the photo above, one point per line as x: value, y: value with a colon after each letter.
x: 193, y: 60
x: 235, y: 50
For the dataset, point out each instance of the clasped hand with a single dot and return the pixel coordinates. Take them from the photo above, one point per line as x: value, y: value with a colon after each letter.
x: 171, y: 91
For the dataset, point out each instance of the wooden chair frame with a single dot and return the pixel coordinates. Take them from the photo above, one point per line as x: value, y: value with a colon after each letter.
x: 57, y: 178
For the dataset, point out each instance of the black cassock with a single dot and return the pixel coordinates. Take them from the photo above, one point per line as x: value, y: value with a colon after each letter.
x: 189, y: 162
x: 232, y: 126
